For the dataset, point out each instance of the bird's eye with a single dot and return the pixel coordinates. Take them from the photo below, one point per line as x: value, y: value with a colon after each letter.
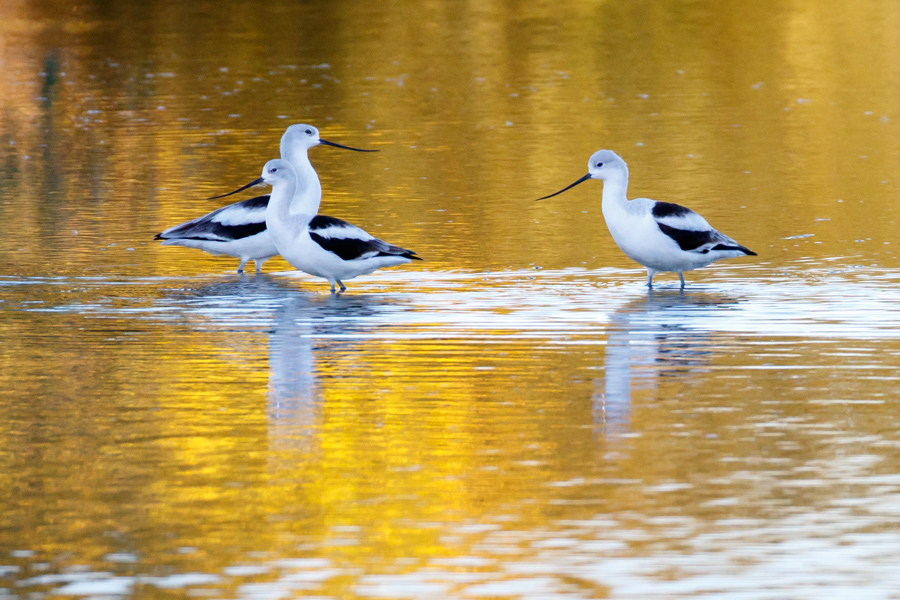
x: 273, y: 170
x: 599, y: 164
x: 309, y: 132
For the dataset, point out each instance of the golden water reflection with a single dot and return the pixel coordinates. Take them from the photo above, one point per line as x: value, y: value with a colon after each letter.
x: 343, y: 442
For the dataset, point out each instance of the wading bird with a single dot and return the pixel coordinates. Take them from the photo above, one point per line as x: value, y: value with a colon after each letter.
x: 316, y: 244
x: 659, y: 235
x: 239, y: 229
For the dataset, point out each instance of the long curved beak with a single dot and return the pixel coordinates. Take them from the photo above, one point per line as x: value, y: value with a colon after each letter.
x: 583, y: 179
x: 240, y: 189
x: 327, y: 143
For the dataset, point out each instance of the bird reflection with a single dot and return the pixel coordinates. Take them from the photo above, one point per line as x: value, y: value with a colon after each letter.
x: 294, y: 390
x: 658, y: 335
x: 303, y: 329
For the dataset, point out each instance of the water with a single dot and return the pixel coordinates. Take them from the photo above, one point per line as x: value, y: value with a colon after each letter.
x: 513, y: 418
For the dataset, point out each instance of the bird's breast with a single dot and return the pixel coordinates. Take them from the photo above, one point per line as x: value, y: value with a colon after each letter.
x: 640, y: 238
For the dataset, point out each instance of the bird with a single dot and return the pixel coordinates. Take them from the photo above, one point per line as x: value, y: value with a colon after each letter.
x: 661, y: 236
x: 239, y: 229
x: 320, y: 245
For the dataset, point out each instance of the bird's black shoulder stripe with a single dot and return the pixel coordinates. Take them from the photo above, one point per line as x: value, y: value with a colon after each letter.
x: 668, y: 209
x: 686, y: 239
x: 258, y: 202
x: 324, y: 222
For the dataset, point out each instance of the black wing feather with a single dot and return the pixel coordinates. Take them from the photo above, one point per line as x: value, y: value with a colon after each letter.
x: 351, y: 247
x: 687, y: 239
x: 213, y: 230
x: 207, y: 228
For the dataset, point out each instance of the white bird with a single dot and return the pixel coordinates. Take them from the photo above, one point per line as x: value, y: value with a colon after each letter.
x: 239, y: 229
x: 659, y: 235
x: 320, y: 245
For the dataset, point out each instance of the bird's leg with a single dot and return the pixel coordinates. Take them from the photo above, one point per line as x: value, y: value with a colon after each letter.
x: 650, y: 274
x: 681, y: 277
x: 332, y: 285
x: 241, y: 266
x: 259, y: 263
x: 343, y: 287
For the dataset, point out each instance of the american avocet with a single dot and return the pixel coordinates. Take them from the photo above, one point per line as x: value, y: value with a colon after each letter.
x: 659, y: 235
x: 316, y: 244
x: 239, y: 229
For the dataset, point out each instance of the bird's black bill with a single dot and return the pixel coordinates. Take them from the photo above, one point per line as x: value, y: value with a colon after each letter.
x: 585, y: 178
x: 336, y: 145
x: 240, y: 189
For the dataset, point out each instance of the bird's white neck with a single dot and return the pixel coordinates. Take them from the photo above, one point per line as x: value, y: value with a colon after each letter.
x: 278, y: 211
x: 308, y: 191
x: 615, y: 190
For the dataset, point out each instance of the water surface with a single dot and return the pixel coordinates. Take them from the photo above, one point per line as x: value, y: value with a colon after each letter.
x: 515, y: 417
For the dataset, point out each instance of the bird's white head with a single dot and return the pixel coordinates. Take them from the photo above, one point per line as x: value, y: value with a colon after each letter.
x: 604, y: 165
x: 299, y: 138
x: 277, y: 171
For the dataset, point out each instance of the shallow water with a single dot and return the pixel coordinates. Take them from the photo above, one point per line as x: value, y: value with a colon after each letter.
x: 516, y: 417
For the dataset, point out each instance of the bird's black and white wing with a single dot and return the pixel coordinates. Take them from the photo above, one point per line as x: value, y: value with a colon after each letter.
x: 350, y: 242
x: 691, y: 231
x: 227, y: 224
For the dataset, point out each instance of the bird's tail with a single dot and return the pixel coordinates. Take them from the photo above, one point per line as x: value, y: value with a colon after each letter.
x: 398, y: 251
x: 734, y: 248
